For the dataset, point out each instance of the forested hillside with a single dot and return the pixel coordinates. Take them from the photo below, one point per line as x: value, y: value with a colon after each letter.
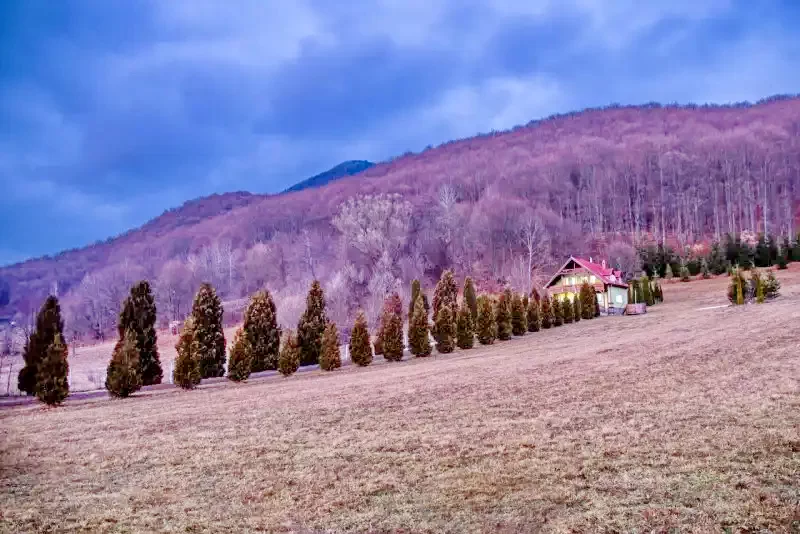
x: 500, y: 206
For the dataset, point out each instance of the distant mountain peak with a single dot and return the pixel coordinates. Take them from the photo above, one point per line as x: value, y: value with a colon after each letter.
x: 342, y: 170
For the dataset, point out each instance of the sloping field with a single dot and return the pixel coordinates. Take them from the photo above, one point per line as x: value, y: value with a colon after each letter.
x: 684, y: 418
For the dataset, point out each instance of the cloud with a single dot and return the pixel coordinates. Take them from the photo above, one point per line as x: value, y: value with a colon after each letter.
x: 108, y: 116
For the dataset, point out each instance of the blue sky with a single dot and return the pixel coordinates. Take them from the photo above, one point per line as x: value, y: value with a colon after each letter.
x: 112, y: 111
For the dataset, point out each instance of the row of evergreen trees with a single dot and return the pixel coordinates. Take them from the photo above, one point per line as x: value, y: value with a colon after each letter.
x: 758, y: 288
x: 645, y: 291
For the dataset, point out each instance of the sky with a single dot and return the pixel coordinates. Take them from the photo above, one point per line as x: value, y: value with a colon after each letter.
x: 112, y: 112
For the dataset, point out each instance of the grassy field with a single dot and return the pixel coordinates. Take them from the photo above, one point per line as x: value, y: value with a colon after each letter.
x: 685, y: 418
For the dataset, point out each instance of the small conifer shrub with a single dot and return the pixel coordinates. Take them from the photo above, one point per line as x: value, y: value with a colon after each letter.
x: 546, y: 312
x: 209, y: 338
x: 558, y: 311
x: 289, y: 358
x: 419, y: 342
x: 684, y: 272
x: 359, y: 347
x: 503, y: 316
x: 465, y: 332
x: 186, y: 373
x: 566, y: 310
x: 704, y: 270
x: 312, y: 325
x: 757, y: 285
x: 445, y: 294
x: 52, y: 386
x: 771, y: 286
x: 262, y: 333
x: 576, y: 308
x: 647, y: 294
x: 139, y: 315
x: 331, y: 357
x: 471, y: 299
x: 123, y: 375
x: 416, y: 290
x: 588, y: 301
x: 519, y: 316
x: 240, y: 359
x: 487, y: 326
x: 49, y: 324
x: 737, y: 288
x: 392, y: 336
x: 534, y: 320
x: 445, y: 344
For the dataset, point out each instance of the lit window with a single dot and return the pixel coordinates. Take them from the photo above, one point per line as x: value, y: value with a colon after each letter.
x: 592, y: 279
x: 618, y: 299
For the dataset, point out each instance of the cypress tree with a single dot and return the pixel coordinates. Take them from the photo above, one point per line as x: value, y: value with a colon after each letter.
x: 446, y: 331
x: 186, y: 373
x: 48, y: 325
x: 52, y: 386
x: 519, y: 316
x: 757, y: 283
x: 360, y: 348
x: 588, y: 300
x: 471, y: 299
x: 736, y: 288
x: 771, y: 286
x: 576, y: 308
x: 487, y: 325
x: 558, y: 314
x: 262, y: 333
x: 445, y: 294
x: 312, y: 325
x: 465, y: 331
x: 534, y: 320
x: 331, y: 357
x: 392, y: 305
x: 139, y: 315
x: 124, y: 373
x: 546, y: 312
x: 416, y: 289
x: 418, y: 339
x: 392, y: 336
x: 502, y: 316
x: 289, y: 358
x: 566, y: 310
x: 647, y: 295
x: 240, y: 361
x: 209, y: 338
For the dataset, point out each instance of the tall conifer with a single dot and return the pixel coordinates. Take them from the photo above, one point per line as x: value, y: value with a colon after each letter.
x: 138, y: 316
x: 52, y: 385
x: 418, y: 328
x: 261, y: 331
x: 312, y: 325
x: 487, y: 325
x: 445, y: 330
x: 240, y: 360
x: 48, y: 325
x: 186, y: 373
x: 331, y: 357
x: 360, y: 347
x: 546, y: 312
x: 471, y: 299
x: 534, y: 319
x: 124, y: 373
x: 289, y: 358
x: 502, y: 316
x: 465, y: 331
x: 519, y: 316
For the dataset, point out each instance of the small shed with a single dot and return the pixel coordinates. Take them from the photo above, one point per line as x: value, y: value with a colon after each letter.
x: 609, y: 286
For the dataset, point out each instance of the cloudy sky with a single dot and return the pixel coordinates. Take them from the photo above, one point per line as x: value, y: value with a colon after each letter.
x: 112, y: 111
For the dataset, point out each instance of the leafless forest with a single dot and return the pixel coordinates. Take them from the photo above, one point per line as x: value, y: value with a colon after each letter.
x: 503, y: 207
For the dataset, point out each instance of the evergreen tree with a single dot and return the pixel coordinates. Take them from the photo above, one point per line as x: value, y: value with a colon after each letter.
x: 139, y: 316
x: 262, y: 333
x: 519, y: 316
x: 576, y: 308
x: 771, y: 286
x: 534, y: 321
x: 209, y: 338
x: 647, y: 294
x: 546, y: 312
x: 502, y: 316
x: 289, y: 358
x: 487, y: 325
x: 566, y: 310
x: 558, y: 314
x: 465, y: 331
x: 186, y: 373
x: 392, y: 336
x: 445, y: 294
x: 784, y: 255
x: 360, y: 348
x: 48, y: 325
x: 684, y: 271
x: 331, y: 357
x: 757, y: 283
x: 416, y: 289
x: 704, y: 270
x: 392, y: 305
x: 471, y: 299
x: 240, y: 360
x: 312, y: 325
x: 446, y: 331
x: 668, y: 273
x: 52, y: 385
x: 717, y: 263
x: 124, y: 373
x: 762, y: 252
x: 418, y: 338
x: 737, y: 288
x: 588, y: 301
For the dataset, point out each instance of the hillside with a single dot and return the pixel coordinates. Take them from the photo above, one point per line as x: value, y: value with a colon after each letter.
x: 347, y: 168
x: 678, y: 173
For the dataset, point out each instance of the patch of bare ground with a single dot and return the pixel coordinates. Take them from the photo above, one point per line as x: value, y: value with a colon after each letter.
x: 679, y: 420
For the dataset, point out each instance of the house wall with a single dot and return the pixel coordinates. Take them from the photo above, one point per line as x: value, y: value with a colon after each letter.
x: 618, y: 297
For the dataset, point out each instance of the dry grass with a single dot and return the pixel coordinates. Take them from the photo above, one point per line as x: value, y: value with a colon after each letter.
x: 682, y: 419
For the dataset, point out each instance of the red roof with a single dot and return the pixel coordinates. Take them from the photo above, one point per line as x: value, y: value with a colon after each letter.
x: 606, y: 274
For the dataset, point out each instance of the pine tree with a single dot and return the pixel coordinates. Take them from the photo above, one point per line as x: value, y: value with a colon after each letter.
x: 546, y: 312
x: 312, y: 325
x: 704, y: 270
x: 289, y: 358
x: 576, y: 308
x: 446, y: 331
x: 392, y: 305
x: 502, y: 316
x: 465, y: 331
x: 392, y: 336
x: 48, y: 325
x: 534, y: 321
x: 186, y: 373
x: 52, y: 385
x: 209, y: 338
x: 771, y: 286
x: 262, y: 333
x: 486, y: 327
x: 331, y: 357
x: 566, y: 310
x: 558, y: 314
x: 668, y: 273
x: 240, y: 360
x: 124, y: 373
x: 445, y: 294
x: 139, y: 315
x: 360, y: 348
x: 588, y: 301
x: 471, y: 299
x: 519, y: 316
x: 416, y: 289
x: 418, y: 338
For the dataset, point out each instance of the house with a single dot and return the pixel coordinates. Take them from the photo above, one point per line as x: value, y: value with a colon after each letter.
x: 608, y: 284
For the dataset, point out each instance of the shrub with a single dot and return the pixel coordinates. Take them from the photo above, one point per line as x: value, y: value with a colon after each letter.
x: 446, y: 331
x: 757, y: 285
x: 588, y: 301
x: 360, y: 348
x: 48, y: 325
x: 52, y: 385
x: 668, y: 272
x: 331, y: 357
x: 262, y: 333
x: 534, y: 321
x: 487, y: 325
x: 465, y: 331
x: 771, y: 286
x: 209, y: 338
x: 704, y: 270
x: 445, y: 294
x: 566, y: 310
x: 139, y: 316
x: 547, y: 318
x: 289, y: 358
x: 312, y: 325
x: 123, y: 375
x: 471, y: 299
x: 576, y: 309
x: 416, y: 290
x: 684, y: 272
x: 519, y: 316
x: 419, y: 342
x: 186, y: 373
x: 558, y: 312
x: 392, y: 336
x: 647, y: 294
x: 737, y: 288
x: 240, y: 358
x: 502, y: 316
